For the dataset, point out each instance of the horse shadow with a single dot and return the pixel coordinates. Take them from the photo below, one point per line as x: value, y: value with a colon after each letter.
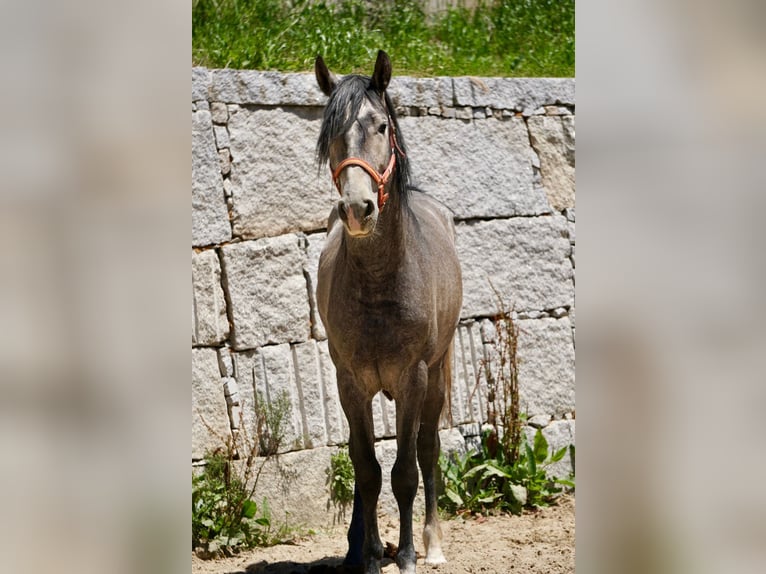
x: 331, y: 565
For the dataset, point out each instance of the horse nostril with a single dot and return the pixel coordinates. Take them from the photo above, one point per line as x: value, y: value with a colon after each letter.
x: 369, y: 208
x: 342, y: 210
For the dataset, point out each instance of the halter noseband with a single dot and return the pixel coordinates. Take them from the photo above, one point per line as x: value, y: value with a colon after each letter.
x: 380, y: 179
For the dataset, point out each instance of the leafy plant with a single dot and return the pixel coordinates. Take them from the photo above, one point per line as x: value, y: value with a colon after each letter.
x: 225, y: 518
x: 223, y: 512
x: 479, y: 481
x: 340, y: 479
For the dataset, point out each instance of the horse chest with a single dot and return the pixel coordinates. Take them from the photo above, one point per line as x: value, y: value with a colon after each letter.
x: 373, y: 331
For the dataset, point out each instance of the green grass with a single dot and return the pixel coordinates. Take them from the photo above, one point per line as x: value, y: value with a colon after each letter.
x: 503, y: 38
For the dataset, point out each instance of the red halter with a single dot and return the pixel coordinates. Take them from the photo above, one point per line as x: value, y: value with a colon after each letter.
x: 380, y: 179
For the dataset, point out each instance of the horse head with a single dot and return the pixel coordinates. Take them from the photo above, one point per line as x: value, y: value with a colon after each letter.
x: 359, y: 141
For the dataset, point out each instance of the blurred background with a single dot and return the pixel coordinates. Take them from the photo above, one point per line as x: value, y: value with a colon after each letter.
x: 94, y: 221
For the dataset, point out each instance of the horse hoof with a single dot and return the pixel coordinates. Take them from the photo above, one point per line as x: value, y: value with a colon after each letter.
x: 435, y: 558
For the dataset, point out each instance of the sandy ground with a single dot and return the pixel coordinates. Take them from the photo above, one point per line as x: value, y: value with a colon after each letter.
x: 541, y: 542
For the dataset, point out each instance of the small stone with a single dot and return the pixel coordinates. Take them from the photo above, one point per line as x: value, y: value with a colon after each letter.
x: 479, y: 114
x: 434, y: 111
x: 225, y: 362
x: 557, y: 111
x: 533, y: 112
x: 488, y: 331
x: 221, y: 137
x: 508, y: 113
x: 488, y: 112
x: 464, y: 113
x: 531, y: 314
x: 225, y: 158
x: 202, y: 105
x: 558, y: 312
x: 569, y: 213
x: 519, y: 493
x: 231, y: 390
x: 539, y: 421
x: 422, y: 111
x: 448, y: 112
x: 469, y: 430
x: 571, y: 233
x: 235, y: 415
x: 219, y: 112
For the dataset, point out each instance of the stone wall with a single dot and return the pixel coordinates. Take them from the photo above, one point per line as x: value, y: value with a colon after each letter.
x: 499, y: 152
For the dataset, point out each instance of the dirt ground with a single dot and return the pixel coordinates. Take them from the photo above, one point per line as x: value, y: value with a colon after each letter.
x: 541, y: 542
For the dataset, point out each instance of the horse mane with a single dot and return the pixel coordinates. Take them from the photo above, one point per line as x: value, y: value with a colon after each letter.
x: 342, y: 110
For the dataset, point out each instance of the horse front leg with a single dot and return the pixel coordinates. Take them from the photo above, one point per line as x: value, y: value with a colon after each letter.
x: 404, y: 475
x: 358, y: 409
x: 428, y: 456
x: 355, y: 535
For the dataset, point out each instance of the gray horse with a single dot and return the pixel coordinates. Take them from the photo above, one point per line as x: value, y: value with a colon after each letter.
x: 389, y: 293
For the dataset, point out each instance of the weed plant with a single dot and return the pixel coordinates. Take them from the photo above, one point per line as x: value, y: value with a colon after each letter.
x: 505, y: 473
x: 498, y: 38
x: 340, y: 479
x: 225, y: 518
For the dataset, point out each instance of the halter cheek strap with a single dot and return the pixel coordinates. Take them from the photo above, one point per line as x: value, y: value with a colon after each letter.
x: 380, y: 179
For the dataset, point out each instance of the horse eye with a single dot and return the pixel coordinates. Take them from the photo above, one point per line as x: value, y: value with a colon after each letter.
x: 382, y: 128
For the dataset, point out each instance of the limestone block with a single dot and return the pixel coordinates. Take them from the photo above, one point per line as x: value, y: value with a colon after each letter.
x: 200, y: 83
x: 314, y: 245
x: 477, y: 169
x: 468, y: 402
x: 273, y: 378
x: 420, y: 92
x: 210, y: 217
x: 308, y: 374
x: 265, y: 88
x: 554, y: 140
x: 522, y: 94
x: 526, y: 259
x: 337, y: 425
x: 278, y: 379
x: 245, y: 365
x: 211, y: 326
x: 208, y: 404
x: 546, y: 361
x: 274, y: 180
x: 378, y: 426
x: 267, y: 290
x: 295, y: 485
x: 388, y: 408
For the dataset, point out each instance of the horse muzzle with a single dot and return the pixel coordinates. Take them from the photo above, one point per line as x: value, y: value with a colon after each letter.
x: 359, y: 217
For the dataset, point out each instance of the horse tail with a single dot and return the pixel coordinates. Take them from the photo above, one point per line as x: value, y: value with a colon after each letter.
x: 446, y: 414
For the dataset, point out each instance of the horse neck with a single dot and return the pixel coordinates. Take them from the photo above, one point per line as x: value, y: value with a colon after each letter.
x: 380, y: 255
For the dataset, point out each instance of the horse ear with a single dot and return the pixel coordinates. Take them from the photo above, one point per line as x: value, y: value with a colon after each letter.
x: 382, y: 74
x: 325, y: 78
